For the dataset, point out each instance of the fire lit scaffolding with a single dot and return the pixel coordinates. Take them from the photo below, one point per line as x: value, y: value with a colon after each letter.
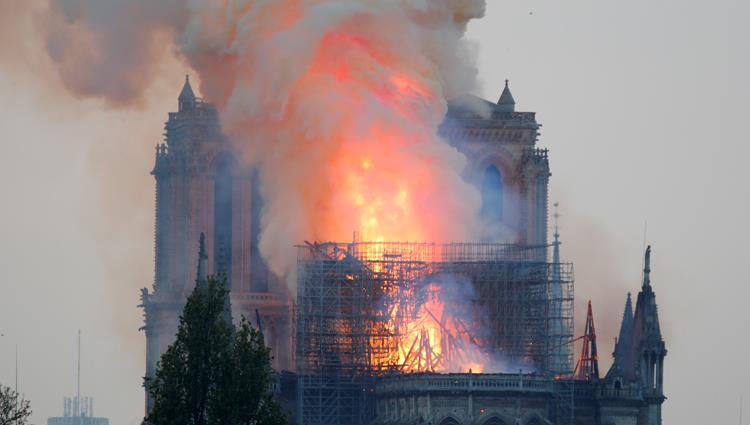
x: 355, y: 300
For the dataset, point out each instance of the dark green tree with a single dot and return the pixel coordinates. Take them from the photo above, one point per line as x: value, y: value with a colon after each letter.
x: 213, y: 374
x: 14, y: 410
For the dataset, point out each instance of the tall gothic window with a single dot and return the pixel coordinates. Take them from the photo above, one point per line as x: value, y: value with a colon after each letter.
x: 259, y: 273
x: 492, y: 194
x: 223, y: 218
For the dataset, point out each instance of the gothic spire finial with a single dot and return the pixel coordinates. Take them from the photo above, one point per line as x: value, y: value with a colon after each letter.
x: 647, y: 269
x: 187, y: 91
x: 506, y: 102
x: 624, y: 339
x: 627, y: 315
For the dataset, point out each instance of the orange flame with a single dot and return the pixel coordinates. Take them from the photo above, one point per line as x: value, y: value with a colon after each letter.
x: 339, y: 103
x: 434, y: 340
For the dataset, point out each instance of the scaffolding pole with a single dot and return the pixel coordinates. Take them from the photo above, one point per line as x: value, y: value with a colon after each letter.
x: 355, y: 300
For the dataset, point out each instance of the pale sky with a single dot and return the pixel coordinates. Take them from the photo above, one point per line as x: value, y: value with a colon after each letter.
x: 643, y: 105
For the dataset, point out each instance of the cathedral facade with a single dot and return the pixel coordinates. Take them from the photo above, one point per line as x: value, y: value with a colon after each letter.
x: 203, y: 188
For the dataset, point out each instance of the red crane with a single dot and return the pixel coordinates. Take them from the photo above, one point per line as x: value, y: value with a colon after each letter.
x: 587, y: 367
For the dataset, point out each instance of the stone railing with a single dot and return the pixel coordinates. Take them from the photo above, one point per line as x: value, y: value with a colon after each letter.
x: 620, y: 393
x: 464, y: 382
x: 259, y: 297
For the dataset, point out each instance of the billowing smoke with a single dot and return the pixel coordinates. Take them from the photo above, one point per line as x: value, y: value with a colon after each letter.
x: 337, y: 102
x: 107, y: 48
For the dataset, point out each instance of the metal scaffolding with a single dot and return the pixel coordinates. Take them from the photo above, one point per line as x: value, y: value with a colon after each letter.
x: 355, y: 299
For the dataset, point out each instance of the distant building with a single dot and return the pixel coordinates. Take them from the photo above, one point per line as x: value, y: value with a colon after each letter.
x: 78, y: 411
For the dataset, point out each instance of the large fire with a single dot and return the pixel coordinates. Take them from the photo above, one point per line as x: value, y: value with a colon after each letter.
x: 338, y: 104
x: 436, y: 336
x: 436, y: 340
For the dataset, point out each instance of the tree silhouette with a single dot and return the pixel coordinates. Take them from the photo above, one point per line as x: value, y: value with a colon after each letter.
x: 13, y: 408
x: 214, y: 373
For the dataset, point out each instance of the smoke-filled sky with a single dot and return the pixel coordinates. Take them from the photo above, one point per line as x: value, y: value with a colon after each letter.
x: 642, y: 104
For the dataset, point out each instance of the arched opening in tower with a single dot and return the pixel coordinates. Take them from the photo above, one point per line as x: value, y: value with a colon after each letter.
x: 258, y: 269
x: 223, y: 186
x: 492, y: 195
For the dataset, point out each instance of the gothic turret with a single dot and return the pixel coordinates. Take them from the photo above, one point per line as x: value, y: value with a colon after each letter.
x: 626, y: 330
x: 639, y: 352
x: 623, y: 344
x: 506, y: 102
x: 647, y: 342
x: 187, y: 97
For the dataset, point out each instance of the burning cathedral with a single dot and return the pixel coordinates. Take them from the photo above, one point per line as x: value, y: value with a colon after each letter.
x: 394, y: 332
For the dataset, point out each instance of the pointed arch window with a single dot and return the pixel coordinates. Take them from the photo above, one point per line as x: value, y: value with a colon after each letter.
x: 492, y: 194
x: 223, y: 188
x: 259, y: 272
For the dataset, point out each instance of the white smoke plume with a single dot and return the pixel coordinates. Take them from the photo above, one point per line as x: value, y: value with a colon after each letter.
x: 337, y: 102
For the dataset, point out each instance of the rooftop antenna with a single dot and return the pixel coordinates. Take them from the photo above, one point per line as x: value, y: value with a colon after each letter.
x: 643, y: 248
x: 17, y: 398
x: 78, y: 377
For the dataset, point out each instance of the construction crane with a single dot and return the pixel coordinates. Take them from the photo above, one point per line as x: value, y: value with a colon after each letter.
x: 587, y: 367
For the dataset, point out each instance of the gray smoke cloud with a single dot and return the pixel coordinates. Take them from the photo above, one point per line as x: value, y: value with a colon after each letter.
x: 336, y: 102
x: 108, y: 49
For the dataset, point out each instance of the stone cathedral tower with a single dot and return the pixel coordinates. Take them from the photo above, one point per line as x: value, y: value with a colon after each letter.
x: 201, y: 187
x: 505, y: 164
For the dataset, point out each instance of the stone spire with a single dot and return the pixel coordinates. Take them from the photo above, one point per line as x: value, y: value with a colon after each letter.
x: 622, y: 365
x: 186, y: 99
x: 558, y: 330
x: 646, y: 314
x: 201, y: 278
x: 626, y: 332
x: 506, y: 102
x: 648, y: 348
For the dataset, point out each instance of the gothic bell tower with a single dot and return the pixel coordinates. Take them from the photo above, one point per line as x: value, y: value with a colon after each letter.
x: 505, y: 164
x: 203, y: 188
